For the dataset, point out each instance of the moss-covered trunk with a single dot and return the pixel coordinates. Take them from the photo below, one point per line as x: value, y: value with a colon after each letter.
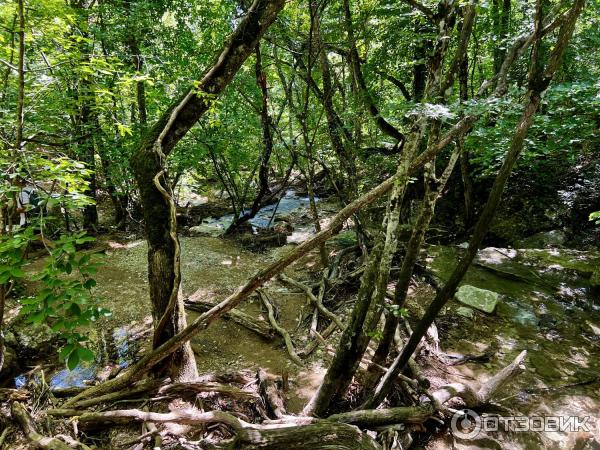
x: 148, y: 163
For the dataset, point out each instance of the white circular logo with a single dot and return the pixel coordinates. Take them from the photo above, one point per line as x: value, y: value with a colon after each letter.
x: 465, y: 424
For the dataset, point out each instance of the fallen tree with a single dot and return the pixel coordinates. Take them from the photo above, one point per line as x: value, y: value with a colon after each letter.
x: 259, y: 327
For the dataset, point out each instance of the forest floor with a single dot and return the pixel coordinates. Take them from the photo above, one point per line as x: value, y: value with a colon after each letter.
x: 546, y: 306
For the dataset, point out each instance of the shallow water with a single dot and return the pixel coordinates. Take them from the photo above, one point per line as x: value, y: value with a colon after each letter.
x: 548, y: 309
x: 212, y: 266
x: 266, y: 216
x: 545, y: 307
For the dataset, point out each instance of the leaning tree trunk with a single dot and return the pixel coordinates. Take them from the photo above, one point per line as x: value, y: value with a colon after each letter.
x: 368, y: 306
x: 263, y: 196
x: 539, y: 80
x: 148, y: 163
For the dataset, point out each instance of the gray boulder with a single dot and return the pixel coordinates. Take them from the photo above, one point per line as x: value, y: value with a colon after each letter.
x: 480, y: 299
x: 205, y: 230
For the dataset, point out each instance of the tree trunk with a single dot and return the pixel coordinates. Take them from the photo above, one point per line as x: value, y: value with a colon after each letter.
x: 345, y: 156
x: 539, y: 80
x: 87, y: 123
x: 20, y: 77
x: 501, y: 22
x: 408, y: 263
x: 359, y: 79
x: 350, y: 349
x: 148, y: 163
x: 2, y: 305
x: 263, y: 170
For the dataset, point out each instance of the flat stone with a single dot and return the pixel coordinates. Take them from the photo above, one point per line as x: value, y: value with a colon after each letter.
x: 480, y: 299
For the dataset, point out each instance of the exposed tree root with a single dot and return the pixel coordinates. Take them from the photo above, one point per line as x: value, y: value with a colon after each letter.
x: 282, y: 331
x: 21, y: 416
x: 314, y: 344
x: 271, y: 394
x: 139, y: 389
x: 339, y: 431
x: 187, y: 388
x: 4, y: 434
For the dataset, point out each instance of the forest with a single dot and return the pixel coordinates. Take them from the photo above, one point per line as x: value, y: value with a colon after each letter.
x: 301, y: 224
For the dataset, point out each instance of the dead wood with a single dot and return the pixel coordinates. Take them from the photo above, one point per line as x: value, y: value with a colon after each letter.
x: 241, y: 318
x: 193, y: 388
x: 316, y: 301
x: 145, y: 387
x: 271, y: 394
x: 314, y: 344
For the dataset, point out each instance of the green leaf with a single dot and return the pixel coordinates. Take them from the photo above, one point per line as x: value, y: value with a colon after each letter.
x: 85, y: 354
x: 83, y: 240
x: 38, y: 317
x: 65, y: 351
x: 73, y: 360
x: 17, y: 272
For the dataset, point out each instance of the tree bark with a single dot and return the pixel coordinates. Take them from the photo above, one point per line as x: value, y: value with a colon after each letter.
x: 539, y: 81
x: 148, y: 163
x: 263, y: 170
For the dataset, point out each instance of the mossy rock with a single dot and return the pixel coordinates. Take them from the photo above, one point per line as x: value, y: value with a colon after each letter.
x: 546, y: 239
x: 344, y: 239
x: 480, y: 299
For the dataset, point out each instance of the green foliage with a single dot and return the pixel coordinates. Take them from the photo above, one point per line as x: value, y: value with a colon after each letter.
x: 396, y: 311
x: 564, y: 129
x: 64, y: 300
x: 595, y: 216
x: 12, y: 256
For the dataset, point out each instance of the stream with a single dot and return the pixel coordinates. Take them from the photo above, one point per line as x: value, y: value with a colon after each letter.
x: 266, y: 217
x: 546, y: 305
